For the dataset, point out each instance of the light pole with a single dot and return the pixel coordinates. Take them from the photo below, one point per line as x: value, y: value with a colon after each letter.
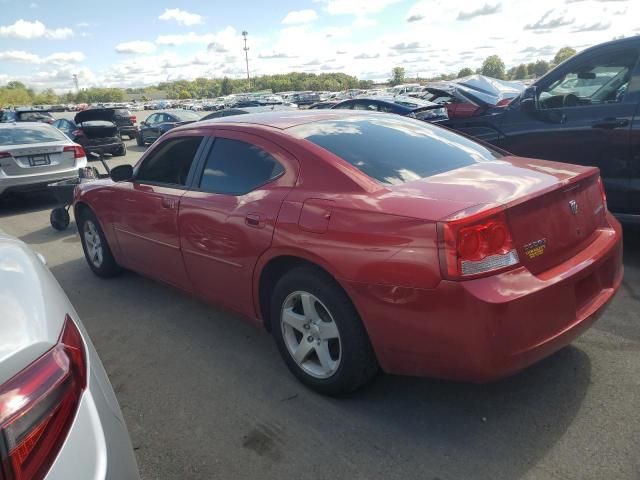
x: 246, y: 55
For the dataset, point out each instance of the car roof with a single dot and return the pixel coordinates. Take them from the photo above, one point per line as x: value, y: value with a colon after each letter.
x: 284, y: 119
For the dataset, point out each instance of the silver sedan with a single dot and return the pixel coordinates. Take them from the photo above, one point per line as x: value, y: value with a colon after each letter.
x: 34, y: 154
x: 59, y: 417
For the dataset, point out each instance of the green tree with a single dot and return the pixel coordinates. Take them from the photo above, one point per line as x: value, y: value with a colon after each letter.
x: 493, y: 66
x: 540, y: 68
x: 465, y: 72
x: 225, y: 87
x: 520, y: 72
x: 14, y: 84
x: 563, y: 54
x: 397, y: 76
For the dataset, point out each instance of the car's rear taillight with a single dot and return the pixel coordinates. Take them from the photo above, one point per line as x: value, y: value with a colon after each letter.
x: 475, y: 246
x: 78, y: 151
x: 5, y: 155
x: 603, y: 194
x: 133, y: 118
x: 38, y: 406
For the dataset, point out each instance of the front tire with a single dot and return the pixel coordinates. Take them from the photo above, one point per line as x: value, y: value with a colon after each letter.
x: 95, y: 246
x: 319, y: 333
x: 139, y: 140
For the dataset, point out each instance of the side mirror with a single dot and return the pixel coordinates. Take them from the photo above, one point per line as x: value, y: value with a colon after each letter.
x: 143, y: 123
x: 121, y: 173
x: 529, y: 100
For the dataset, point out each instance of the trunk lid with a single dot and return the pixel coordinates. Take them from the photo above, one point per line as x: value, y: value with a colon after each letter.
x: 106, y: 114
x: 36, y: 158
x: 553, y: 209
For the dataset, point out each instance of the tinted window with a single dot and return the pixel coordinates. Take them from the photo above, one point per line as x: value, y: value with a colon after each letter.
x: 152, y: 119
x: 365, y: 105
x: 185, y: 115
x: 22, y: 136
x: 121, y: 112
x: 236, y: 168
x: 171, y: 162
x: 394, y: 149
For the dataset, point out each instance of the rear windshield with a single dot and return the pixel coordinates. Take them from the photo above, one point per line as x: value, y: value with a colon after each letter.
x: 186, y: 115
x: 394, y: 149
x: 26, y: 135
x: 121, y: 112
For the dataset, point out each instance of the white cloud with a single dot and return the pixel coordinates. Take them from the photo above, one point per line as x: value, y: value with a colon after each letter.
x: 137, y: 46
x: 64, y: 58
x: 59, y: 33
x: 297, y: 17
x: 181, y: 16
x: 59, y: 58
x: 19, y: 56
x: 26, y: 30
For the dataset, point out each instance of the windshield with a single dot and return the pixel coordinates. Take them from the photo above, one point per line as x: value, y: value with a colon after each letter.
x: 26, y: 135
x: 394, y: 149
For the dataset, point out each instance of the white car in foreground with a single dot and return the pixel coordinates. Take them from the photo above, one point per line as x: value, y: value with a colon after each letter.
x: 59, y: 417
x: 33, y: 154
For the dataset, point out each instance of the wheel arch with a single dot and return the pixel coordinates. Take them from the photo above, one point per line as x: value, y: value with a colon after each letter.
x: 272, y: 267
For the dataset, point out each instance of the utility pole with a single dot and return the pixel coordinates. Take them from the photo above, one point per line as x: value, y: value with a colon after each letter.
x: 246, y: 55
x: 75, y: 82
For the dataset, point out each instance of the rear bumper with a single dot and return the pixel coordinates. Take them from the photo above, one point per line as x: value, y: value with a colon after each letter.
x: 128, y: 130
x: 481, y: 330
x: 37, y: 181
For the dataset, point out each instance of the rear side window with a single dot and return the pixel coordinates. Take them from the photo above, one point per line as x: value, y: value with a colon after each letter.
x: 170, y: 163
x: 394, y: 150
x: 24, y: 136
x: 236, y: 168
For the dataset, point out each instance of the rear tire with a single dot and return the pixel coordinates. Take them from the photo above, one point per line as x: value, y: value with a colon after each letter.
x: 59, y: 218
x: 311, y: 312
x: 95, y: 246
x: 122, y: 152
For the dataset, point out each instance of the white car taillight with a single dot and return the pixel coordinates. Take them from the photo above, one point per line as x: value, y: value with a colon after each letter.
x: 38, y: 406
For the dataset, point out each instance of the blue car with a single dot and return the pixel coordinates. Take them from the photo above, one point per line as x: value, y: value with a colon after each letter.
x: 161, y: 122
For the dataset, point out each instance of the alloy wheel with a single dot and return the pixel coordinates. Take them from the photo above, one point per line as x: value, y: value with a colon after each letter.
x: 311, y: 334
x: 93, y: 243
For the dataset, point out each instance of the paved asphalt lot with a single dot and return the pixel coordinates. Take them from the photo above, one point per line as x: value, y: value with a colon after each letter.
x: 207, y: 396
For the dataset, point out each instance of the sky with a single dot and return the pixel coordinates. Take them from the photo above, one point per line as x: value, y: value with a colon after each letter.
x: 115, y: 43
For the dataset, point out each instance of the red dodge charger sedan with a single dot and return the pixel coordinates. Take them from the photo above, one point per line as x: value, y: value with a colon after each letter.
x: 364, y: 241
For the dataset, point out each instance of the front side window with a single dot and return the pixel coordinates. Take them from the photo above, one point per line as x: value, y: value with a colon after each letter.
x: 170, y: 162
x: 597, y: 81
x: 152, y: 119
x: 236, y: 168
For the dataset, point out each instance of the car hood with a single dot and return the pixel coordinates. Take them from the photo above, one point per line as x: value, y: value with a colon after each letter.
x: 33, y: 307
x: 95, y: 114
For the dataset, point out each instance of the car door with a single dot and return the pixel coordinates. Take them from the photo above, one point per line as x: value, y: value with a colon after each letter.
x: 227, y: 220
x: 146, y: 218
x: 585, y: 110
x: 151, y: 126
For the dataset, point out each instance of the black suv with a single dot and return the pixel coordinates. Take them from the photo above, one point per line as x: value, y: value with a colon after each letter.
x: 126, y: 122
x: 585, y: 111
